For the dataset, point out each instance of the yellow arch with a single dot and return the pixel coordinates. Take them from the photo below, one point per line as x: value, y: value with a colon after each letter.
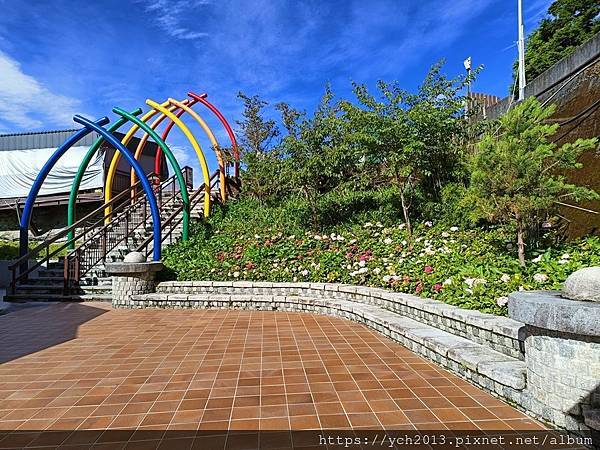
x: 144, y: 139
x: 162, y: 108
x: 213, y: 141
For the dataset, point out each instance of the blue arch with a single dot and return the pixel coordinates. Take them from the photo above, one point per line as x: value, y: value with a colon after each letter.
x: 89, y: 126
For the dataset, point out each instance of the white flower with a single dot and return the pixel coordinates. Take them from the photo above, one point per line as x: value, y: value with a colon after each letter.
x: 404, y: 243
x: 379, y: 225
x: 304, y: 272
x: 368, y: 225
x: 353, y: 241
x: 505, y: 278
x: 377, y: 270
x: 236, y: 274
x: 387, y: 278
x: 502, y: 301
x: 363, y: 270
x: 387, y: 241
x: 540, y: 277
x: 256, y: 236
x: 447, y: 282
x: 429, y: 223
x: 537, y: 259
x: 402, y: 225
x: 317, y: 237
x: 453, y: 228
x: 565, y: 256
x: 472, y: 282
x: 445, y: 234
x: 295, y: 279
x: 362, y: 263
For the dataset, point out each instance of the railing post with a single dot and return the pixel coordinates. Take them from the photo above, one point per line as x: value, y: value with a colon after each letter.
x: 77, y: 265
x: 103, y: 245
x: 13, y: 286
x: 145, y: 212
x: 66, y: 287
x: 127, y: 228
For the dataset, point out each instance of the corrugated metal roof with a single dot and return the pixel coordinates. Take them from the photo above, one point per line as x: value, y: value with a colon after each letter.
x: 42, y: 139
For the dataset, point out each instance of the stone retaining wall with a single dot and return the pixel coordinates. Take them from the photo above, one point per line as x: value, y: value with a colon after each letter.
x: 499, y: 333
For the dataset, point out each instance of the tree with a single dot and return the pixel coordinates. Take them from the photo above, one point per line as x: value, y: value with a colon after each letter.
x: 515, y: 176
x: 417, y: 138
x: 260, y: 157
x: 316, y: 160
x: 569, y: 24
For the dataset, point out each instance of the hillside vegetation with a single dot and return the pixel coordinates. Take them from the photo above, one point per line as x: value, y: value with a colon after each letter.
x: 397, y: 189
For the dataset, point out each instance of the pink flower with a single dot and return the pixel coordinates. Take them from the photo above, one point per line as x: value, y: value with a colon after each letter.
x: 428, y: 269
x: 437, y: 287
x: 419, y: 287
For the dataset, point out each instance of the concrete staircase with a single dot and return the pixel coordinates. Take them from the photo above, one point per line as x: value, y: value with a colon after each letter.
x: 47, y: 283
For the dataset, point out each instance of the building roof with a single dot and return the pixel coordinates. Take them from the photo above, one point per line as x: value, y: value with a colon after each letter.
x: 41, y: 139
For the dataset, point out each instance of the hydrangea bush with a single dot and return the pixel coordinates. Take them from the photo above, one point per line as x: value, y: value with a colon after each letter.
x: 469, y: 268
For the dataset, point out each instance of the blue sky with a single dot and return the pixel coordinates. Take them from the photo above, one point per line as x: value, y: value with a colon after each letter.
x: 62, y: 57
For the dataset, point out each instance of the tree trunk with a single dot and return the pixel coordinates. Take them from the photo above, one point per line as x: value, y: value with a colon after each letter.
x: 406, y: 216
x: 520, y: 241
x: 313, y: 209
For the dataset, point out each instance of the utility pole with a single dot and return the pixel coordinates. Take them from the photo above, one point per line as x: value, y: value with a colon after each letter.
x: 521, y: 45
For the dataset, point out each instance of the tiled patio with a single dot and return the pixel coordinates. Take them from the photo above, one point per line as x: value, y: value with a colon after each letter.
x: 86, y: 366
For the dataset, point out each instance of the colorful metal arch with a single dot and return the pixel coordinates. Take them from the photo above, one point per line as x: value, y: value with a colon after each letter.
x: 213, y: 141
x: 81, y: 171
x: 174, y: 164
x: 195, y: 145
x: 164, y: 107
x: 141, y: 145
x: 122, y: 149
x: 112, y: 169
x: 37, y: 185
x: 88, y: 127
x: 185, y: 106
x: 236, y: 153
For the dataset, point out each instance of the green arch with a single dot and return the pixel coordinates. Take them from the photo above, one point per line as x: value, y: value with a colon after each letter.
x: 81, y: 171
x: 174, y: 164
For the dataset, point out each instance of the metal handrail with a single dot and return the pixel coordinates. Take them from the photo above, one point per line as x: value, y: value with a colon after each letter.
x: 195, y: 198
x: 74, y: 269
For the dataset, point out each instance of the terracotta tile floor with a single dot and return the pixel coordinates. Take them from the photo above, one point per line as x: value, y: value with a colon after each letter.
x: 86, y: 366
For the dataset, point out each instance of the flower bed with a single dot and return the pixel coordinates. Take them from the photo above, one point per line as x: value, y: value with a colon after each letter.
x: 472, y: 269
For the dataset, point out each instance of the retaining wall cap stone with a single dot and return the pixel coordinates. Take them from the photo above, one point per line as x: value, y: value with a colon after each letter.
x: 121, y: 268
x: 549, y: 310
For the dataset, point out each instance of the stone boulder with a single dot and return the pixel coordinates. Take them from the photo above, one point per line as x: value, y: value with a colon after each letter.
x: 583, y: 284
x: 134, y: 257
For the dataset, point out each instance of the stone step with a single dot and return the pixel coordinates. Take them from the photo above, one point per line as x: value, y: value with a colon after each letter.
x: 474, y: 361
x: 39, y: 288
x: 45, y: 280
x: 24, y: 298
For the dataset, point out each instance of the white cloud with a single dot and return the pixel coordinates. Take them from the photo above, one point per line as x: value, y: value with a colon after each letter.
x: 26, y: 103
x: 170, y: 16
